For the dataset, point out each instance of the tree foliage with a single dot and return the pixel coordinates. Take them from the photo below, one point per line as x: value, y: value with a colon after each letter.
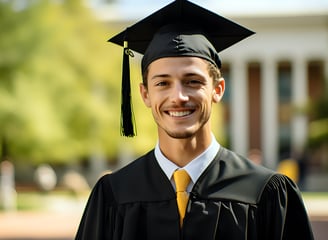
x: 318, y: 126
x: 59, y: 83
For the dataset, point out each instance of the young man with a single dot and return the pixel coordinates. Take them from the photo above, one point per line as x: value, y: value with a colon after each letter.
x: 224, y: 196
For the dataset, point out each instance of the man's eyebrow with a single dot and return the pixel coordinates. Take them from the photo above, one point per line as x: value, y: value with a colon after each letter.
x: 191, y: 74
x: 160, y: 76
x: 164, y: 75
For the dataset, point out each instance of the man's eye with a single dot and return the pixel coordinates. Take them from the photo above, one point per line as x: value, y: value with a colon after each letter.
x: 193, y: 82
x: 161, y: 83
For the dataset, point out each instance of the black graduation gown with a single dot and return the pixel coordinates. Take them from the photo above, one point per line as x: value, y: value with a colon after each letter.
x: 233, y: 199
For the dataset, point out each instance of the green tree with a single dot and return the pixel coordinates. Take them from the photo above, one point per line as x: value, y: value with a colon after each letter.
x: 59, y: 82
x: 318, y: 131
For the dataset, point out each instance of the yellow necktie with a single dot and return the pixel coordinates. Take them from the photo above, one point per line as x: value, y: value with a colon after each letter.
x: 181, y: 179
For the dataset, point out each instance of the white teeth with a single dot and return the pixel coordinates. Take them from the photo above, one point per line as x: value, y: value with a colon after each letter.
x: 179, y: 114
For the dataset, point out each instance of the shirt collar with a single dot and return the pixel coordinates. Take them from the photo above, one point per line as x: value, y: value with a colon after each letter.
x: 195, y: 167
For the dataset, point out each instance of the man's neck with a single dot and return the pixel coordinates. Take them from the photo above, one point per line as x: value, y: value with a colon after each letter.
x: 182, y: 151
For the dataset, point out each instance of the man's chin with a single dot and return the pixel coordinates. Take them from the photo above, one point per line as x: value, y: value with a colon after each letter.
x: 180, y: 134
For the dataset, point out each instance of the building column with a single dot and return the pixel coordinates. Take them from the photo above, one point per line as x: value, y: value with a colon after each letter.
x: 269, y: 113
x: 239, y: 108
x: 299, y: 122
x: 325, y: 71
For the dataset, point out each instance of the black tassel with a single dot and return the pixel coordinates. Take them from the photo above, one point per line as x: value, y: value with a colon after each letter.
x: 127, y: 116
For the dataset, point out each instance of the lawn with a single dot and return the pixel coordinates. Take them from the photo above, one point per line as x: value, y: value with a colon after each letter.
x: 55, y: 200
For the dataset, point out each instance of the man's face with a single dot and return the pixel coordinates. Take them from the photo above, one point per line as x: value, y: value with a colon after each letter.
x: 180, y: 93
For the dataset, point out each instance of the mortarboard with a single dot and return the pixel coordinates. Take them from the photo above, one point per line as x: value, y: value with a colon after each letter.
x: 181, y: 28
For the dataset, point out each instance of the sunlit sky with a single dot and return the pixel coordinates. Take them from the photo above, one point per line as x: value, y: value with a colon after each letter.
x: 134, y: 9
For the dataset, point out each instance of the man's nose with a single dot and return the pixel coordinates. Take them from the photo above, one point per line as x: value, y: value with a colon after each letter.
x: 179, y: 93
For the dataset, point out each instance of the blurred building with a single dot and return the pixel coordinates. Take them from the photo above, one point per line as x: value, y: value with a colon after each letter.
x: 272, y: 79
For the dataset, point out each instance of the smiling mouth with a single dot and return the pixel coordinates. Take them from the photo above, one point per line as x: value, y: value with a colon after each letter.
x: 179, y: 113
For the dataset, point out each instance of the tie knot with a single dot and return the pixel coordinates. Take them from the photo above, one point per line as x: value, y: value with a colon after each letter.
x: 181, y: 179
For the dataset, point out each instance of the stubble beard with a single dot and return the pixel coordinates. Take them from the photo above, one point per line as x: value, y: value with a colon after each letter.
x: 183, y: 135
x: 186, y: 133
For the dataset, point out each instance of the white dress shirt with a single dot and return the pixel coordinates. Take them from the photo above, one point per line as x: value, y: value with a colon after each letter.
x: 194, y: 168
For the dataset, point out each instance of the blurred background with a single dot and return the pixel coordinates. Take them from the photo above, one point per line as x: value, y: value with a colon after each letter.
x: 60, y: 103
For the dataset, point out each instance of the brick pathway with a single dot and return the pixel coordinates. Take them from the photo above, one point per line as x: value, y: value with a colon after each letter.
x: 38, y: 225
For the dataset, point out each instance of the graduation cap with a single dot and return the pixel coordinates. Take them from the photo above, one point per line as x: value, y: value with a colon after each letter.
x: 179, y: 29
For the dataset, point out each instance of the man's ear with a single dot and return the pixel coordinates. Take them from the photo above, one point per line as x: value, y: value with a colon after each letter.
x: 219, y: 90
x: 144, y: 94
